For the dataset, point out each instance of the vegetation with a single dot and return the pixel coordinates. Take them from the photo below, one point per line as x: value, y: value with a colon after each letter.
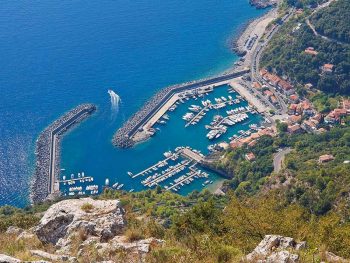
x: 248, y: 177
x: 285, y: 53
x: 334, y: 21
x: 87, y: 207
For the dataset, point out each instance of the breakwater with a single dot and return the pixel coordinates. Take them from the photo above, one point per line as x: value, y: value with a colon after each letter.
x: 47, y: 152
x: 123, y: 137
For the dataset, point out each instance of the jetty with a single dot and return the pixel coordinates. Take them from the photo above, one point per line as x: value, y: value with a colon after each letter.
x: 139, y: 127
x: 44, y: 182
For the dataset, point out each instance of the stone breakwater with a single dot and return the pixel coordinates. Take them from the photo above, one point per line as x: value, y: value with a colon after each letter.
x: 123, y: 137
x: 48, y: 152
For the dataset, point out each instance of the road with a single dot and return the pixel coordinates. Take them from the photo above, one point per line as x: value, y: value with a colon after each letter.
x: 278, y: 159
x: 255, y: 65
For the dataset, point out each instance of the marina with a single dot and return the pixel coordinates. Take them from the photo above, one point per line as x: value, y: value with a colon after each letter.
x: 178, y: 149
x: 139, y: 126
x: 182, y: 160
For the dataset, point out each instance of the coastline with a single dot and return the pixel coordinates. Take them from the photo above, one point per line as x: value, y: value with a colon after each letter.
x: 38, y: 191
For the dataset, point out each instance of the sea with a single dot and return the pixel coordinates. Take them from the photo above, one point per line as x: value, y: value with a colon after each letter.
x: 56, y: 55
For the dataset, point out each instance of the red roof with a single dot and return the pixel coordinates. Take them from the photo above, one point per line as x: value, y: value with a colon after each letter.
x: 268, y: 93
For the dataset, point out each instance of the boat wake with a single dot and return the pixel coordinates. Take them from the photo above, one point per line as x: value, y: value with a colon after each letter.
x: 115, y: 101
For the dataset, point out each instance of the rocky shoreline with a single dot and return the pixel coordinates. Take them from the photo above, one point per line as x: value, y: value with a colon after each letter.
x: 42, y: 181
x: 262, y: 4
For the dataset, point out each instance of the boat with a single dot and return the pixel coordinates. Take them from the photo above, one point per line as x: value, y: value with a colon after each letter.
x: 115, y: 185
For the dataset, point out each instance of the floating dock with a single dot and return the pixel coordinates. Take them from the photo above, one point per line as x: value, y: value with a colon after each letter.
x: 47, y: 151
x: 137, y: 128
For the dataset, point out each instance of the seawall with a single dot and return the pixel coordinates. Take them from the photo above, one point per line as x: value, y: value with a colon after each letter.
x: 123, y: 137
x: 44, y: 182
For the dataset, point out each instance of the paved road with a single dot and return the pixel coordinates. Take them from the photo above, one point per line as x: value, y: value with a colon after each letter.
x: 278, y: 159
x: 255, y: 65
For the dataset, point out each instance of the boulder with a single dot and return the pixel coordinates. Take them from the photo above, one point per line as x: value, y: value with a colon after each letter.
x: 25, y: 235
x: 53, y: 257
x: 142, y: 246
x: 331, y: 257
x: 8, y: 259
x: 273, y: 249
x: 13, y: 230
x: 101, y: 218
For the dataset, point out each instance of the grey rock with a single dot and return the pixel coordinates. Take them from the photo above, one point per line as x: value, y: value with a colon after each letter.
x: 283, y: 256
x: 66, y: 218
x: 13, y: 230
x: 8, y: 259
x: 52, y: 257
x: 273, y: 249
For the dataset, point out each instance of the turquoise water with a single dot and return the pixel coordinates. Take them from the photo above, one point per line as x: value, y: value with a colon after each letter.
x: 58, y: 54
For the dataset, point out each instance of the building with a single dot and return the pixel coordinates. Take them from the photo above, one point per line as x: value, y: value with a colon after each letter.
x: 293, y: 119
x: 285, y: 87
x: 250, y: 157
x: 327, y: 68
x: 335, y: 115
x: 294, y: 98
x: 325, y: 158
x: 257, y: 85
x: 346, y: 104
x: 268, y: 93
x: 294, y: 129
x: 310, y: 125
x: 311, y: 51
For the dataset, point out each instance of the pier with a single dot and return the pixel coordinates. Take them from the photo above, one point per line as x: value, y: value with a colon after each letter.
x: 137, y: 128
x: 47, y: 151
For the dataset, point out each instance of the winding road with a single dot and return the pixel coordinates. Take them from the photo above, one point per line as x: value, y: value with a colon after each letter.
x: 278, y: 159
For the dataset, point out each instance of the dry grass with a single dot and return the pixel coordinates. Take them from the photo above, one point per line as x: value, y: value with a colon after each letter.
x: 133, y: 234
x: 20, y: 248
x: 87, y: 207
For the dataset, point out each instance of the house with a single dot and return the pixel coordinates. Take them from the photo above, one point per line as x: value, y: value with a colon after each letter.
x: 294, y: 129
x: 294, y: 119
x: 307, y: 108
x: 310, y: 125
x: 286, y: 87
x: 294, y: 98
x: 257, y: 85
x: 309, y: 86
x: 327, y: 68
x: 346, y: 104
x: 268, y: 93
x: 335, y: 115
x: 250, y: 157
x: 273, y: 99
x: 325, y: 158
x: 311, y: 51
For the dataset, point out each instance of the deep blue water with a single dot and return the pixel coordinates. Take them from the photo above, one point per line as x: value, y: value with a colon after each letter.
x: 58, y: 54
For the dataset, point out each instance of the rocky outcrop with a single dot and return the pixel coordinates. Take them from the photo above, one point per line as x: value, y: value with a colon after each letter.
x: 274, y: 248
x: 53, y: 257
x: 99, y: 218
x: 13, y: 230
x: 8, y: 259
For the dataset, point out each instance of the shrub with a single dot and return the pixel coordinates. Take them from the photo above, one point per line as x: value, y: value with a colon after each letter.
x: 87, y: 207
